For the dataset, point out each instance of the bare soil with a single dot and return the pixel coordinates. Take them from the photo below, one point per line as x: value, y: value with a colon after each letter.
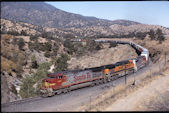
x: 146, y: 97
x: 104, y: 56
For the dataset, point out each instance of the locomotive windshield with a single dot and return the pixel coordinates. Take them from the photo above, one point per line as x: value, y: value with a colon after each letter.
x: 59, y: 77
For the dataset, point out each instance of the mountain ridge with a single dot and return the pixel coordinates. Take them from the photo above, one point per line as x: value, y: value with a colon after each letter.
x: 46, y: 15
x: 57, y: 22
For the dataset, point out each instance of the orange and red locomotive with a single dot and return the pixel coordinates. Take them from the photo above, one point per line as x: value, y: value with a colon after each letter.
x: 66, y: 81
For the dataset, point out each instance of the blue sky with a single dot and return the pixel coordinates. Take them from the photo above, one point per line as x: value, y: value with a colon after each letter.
x: 147, y: 12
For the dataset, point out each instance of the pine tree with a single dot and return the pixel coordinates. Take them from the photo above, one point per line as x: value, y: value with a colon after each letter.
x: 21, y: 43
x: 152, y: 34
x: 160, y: 36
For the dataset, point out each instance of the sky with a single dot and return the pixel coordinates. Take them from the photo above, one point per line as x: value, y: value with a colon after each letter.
x: 146, y: 12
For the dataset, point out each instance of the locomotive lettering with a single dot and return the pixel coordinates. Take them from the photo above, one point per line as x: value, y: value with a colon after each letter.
x: 83, y: 76
x: 78, y: 78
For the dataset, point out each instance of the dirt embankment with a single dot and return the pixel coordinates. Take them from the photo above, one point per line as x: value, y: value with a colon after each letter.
x: 103, y: 57
x: 151, y: 95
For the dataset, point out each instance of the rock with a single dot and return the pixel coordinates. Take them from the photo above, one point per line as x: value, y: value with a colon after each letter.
x: 40, y: 58
x: 13, y: 74
x: 51, y: 68
x: 9, y: 84
x: 4, y: 89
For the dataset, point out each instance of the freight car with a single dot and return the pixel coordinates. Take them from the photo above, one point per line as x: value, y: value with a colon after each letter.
x: 65, y: 81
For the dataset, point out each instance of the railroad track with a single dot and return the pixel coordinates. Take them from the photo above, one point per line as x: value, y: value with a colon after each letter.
x: 40, y: 98
x: 22, y: 101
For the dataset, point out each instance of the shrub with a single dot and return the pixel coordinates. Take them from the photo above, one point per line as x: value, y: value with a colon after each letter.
x: 42, y: 70
x: 152, y: 34
x: 33, y: 37
x: 34, y: 62
x: 92, y: 46
x: 27, y: 89
x: 140, y: 35
x: 14, y: 41
x: 41, y: 47
x: 34, y: 46
x: 48, y: 46
x: 61, y: 63
x: 47, y: 54
x: 69, y: 45
x: 159, y: 35
x: 55, y: 49
x: 21, y: 43
x: 23, y: 33
x: 48, y: 35
x: 113, y: 45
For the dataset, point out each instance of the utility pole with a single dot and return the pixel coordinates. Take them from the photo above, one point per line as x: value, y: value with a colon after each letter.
x: 125, y: 75
x: 159, y: 66
x: 90, y: 102
x: 150, y: 72
x: 165, y: 58
x: 134, y: 78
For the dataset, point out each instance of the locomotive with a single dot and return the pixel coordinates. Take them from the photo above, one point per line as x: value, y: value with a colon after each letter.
x: 65, y: 81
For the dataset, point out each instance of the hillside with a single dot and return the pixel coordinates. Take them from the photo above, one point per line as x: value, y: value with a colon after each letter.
x: 15, y: 28
x: 45, y: 15
x: 104, y: 56
x: 85, y: 32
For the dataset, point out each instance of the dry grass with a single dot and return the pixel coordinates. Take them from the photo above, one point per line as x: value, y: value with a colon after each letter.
x: 160, y: 103
x: 7, y: 65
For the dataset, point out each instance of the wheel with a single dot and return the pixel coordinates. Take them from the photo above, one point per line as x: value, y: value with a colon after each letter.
x: 69, y: 90
x: 97, y: 82
x: 59, y: 92
x: 44, y: 95
x: 66, y: 90
x: 92, y: 84
x: 104, y: 81
x: 108, y: 80
x: 50, y: 92
x: 101, y: 81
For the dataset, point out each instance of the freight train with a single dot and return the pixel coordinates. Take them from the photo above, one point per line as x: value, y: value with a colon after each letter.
x: 65, y: 81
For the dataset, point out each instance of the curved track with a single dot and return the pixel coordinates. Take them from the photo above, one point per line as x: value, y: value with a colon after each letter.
x: 71, y: 100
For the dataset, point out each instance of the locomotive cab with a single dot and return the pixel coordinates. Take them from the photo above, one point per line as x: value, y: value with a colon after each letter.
x: 53, y: 81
